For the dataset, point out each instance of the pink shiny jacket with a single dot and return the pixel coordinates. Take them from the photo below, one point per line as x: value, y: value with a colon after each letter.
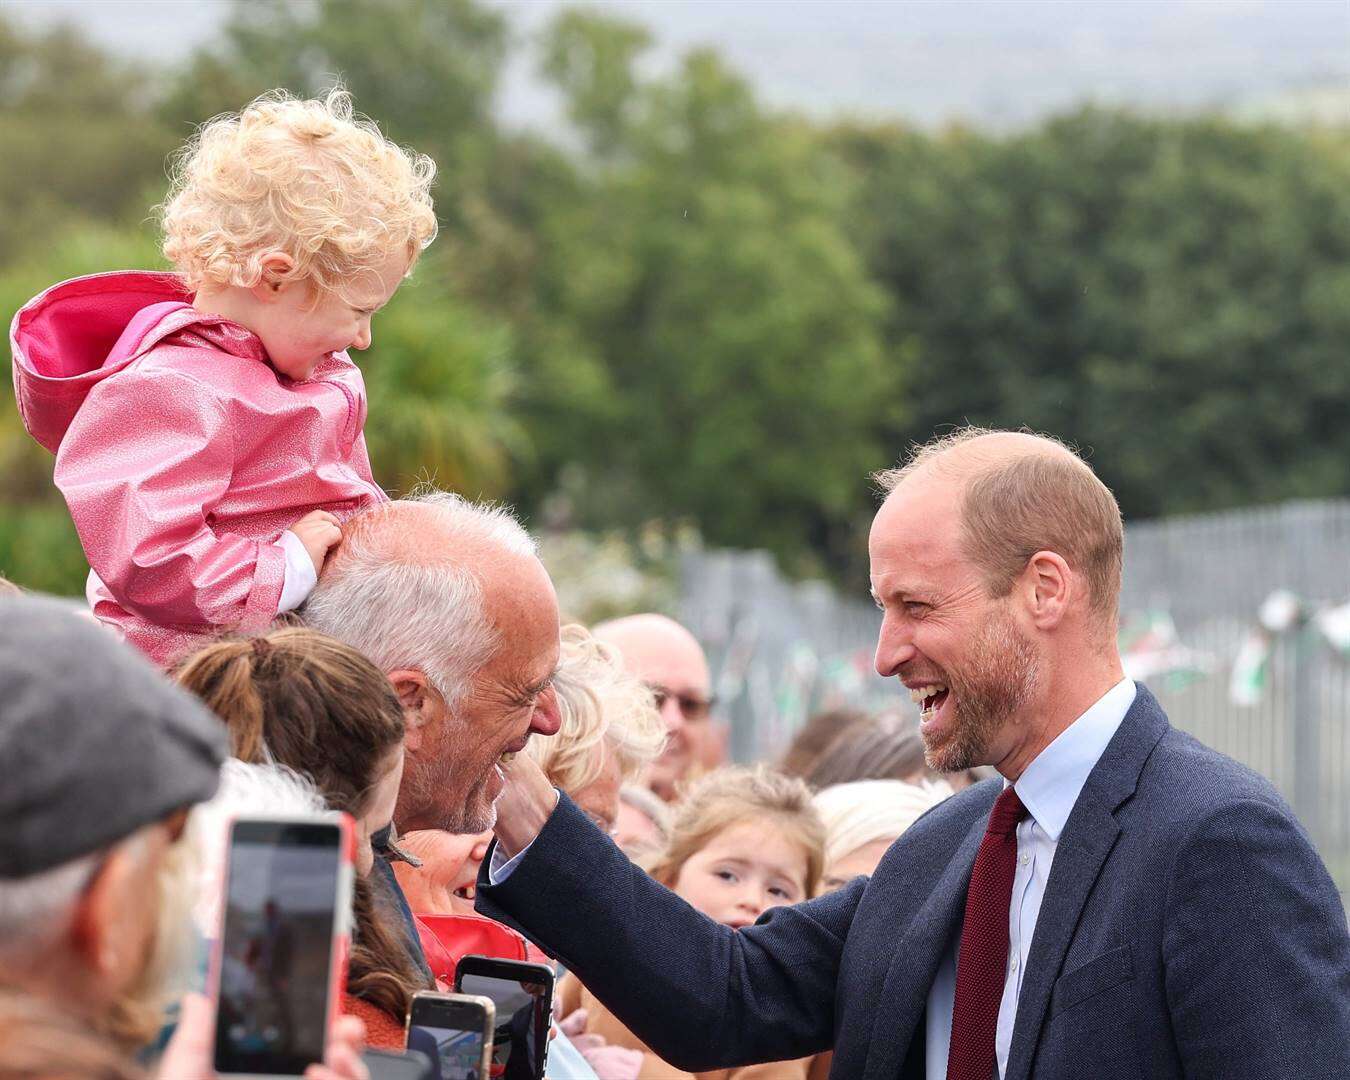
x: 181, y: 453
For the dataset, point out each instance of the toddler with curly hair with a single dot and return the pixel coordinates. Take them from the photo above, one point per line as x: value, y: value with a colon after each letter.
x: 207, y: 424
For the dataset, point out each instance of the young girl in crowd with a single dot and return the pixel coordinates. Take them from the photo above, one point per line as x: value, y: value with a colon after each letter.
x: 306, y: 701
x: 744, y: 840
x: 207, y: 424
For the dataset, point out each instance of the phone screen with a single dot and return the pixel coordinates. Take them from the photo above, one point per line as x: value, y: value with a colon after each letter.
x: 460, y: 1053
x: 277, y: 946
x: 524, y: 1001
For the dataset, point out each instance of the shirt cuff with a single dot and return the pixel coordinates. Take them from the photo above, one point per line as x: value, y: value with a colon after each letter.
x: 299, y: 578
x: 501, y: 868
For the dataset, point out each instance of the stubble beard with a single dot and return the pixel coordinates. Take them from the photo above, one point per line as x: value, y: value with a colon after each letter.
x: 431, y: 798
x: 1000, y: 678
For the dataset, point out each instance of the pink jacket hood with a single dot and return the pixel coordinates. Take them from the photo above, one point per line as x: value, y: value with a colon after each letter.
x: 75, y: 334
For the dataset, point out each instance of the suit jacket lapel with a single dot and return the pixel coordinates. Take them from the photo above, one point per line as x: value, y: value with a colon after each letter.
x: 1089, y: 834
x: 918, y: 953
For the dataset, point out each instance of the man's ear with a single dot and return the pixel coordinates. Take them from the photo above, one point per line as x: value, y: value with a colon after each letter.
x: 276, y: 265
x: 416, y: 696
x: 98, y: 926
x: 1049, y: 587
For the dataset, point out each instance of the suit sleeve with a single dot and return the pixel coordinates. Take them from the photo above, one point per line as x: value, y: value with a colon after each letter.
x: 147, y: 458
x: 701, y: 995
x: 1256, y: 953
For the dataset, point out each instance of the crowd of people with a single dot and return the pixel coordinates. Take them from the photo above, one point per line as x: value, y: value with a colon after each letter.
x: 266, y: 631
x: 298, y: 720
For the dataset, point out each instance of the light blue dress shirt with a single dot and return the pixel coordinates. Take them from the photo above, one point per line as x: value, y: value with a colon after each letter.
x: 1048, y: 788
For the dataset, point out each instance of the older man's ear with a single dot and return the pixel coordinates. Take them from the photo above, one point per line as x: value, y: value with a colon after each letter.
x: 417, y: 699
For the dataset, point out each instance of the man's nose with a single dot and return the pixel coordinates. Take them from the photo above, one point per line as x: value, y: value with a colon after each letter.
x: 894, y: 648
x: 546, y: 719
x: 672, y: 714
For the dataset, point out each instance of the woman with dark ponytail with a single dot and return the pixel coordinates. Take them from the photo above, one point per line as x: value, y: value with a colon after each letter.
x: 302, y: 699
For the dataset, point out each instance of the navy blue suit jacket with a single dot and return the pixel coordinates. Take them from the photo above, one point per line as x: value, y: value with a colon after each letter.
x: 1188, y: 929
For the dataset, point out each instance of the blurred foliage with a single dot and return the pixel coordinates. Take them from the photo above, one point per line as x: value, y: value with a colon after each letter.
x: 686, y: 309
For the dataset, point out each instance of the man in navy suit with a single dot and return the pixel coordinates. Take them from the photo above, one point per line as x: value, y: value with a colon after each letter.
x: 1124, y: 903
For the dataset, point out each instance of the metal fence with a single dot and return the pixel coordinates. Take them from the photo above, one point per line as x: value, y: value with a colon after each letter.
x: 1194, y: 588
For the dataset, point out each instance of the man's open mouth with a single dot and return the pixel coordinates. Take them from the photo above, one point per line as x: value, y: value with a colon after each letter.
x: 929, y: 698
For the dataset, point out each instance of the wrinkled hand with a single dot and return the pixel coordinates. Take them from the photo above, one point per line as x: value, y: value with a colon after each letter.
x: 189, y: 1053
x: 524, y: 806
x: 318, y: 531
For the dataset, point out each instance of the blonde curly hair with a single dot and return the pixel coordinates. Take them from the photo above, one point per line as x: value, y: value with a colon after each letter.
x: 308, y: 177
x: 598, y: 701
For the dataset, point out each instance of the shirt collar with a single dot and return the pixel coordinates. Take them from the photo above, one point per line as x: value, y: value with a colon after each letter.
x: 1051, y: 784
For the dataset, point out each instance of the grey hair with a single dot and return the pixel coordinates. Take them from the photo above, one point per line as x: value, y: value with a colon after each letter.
x: 413, y: 608
x: 35, y: 910
x: 246, y: 789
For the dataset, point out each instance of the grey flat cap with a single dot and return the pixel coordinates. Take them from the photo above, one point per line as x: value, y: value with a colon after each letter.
x: 94, y: 741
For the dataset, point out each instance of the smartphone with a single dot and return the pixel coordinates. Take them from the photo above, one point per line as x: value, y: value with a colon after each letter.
x: 523, y: 996
x: 280, y: 959
x: 395, y: 1065
x: 455, y: 1031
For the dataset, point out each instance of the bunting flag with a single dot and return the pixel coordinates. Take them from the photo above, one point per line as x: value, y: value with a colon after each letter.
x: 1251, y: 670
x: 1151, y: 651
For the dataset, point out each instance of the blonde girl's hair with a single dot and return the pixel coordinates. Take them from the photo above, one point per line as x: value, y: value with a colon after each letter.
x: 599, y: 702
x: 310, y: 178
x: 735, y: 794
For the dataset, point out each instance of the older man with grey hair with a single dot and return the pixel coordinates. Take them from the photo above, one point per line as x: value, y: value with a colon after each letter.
x: 448, y: 598
x: 101, y: 759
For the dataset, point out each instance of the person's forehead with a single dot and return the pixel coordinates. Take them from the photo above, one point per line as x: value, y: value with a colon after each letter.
x: 664, y: 657
x: 759, y: 843
x: 917, y: 534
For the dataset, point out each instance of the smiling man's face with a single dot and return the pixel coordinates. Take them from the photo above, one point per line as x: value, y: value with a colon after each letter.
x: 453, y: 778
x: 959, y: 651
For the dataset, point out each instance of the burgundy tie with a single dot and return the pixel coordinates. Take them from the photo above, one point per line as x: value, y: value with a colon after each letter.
x: 983, y: 961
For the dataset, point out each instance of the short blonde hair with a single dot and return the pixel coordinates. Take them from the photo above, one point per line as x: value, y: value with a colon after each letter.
x: 310, y: 178
x: 865, y: 811
x: 735, y: 794
x: 598, y: 701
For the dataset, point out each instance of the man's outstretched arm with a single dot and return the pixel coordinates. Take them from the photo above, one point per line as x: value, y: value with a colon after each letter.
x: 701, y: 995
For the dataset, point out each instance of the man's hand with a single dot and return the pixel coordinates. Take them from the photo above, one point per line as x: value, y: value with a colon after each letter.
x: 189, y: 1053
x: 525, y: 805
x: 318, y: 531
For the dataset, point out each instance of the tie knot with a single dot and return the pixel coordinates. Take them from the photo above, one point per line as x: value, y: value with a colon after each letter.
x: 1008, y: 811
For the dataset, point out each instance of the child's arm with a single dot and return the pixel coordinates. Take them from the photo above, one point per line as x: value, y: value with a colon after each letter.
x: 142, y: 466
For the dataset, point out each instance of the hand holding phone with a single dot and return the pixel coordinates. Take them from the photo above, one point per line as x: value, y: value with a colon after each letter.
x: 523, y: 996
x: 280, y: 959
x: 455, y: 1032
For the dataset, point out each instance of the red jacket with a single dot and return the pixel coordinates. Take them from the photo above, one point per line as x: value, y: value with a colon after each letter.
x: 182, y: 454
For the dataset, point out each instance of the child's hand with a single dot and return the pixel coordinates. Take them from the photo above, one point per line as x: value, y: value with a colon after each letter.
x: 318, y: 531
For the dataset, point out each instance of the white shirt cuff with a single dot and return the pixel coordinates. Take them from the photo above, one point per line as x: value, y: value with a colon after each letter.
x: 499, y: 867
x: 300, y: 578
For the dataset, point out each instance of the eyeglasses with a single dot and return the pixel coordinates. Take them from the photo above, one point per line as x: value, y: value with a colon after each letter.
x: 692, y: 708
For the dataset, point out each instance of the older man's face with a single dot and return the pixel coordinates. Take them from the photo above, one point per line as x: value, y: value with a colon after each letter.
x: 961, y: 652
x: 453, y: 780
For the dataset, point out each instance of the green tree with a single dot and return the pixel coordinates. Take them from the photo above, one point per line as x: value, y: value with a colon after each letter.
x: 80, y: 141
x: 1170, y: 295
x: 736, y: 376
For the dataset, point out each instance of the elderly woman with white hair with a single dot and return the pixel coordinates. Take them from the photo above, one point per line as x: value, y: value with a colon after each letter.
x: 864, y: 818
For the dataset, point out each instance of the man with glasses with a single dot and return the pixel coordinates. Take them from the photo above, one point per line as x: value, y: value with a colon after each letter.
x: 668, y: 658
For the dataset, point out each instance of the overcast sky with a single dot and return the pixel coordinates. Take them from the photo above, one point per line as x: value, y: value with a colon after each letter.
x: 992, y: 61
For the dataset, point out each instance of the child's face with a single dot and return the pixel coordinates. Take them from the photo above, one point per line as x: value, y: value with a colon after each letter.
x: 299, y: 334
x: 745, y: 870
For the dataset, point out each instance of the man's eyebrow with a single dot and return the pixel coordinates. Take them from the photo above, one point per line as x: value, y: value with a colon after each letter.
x: 542, y: 685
